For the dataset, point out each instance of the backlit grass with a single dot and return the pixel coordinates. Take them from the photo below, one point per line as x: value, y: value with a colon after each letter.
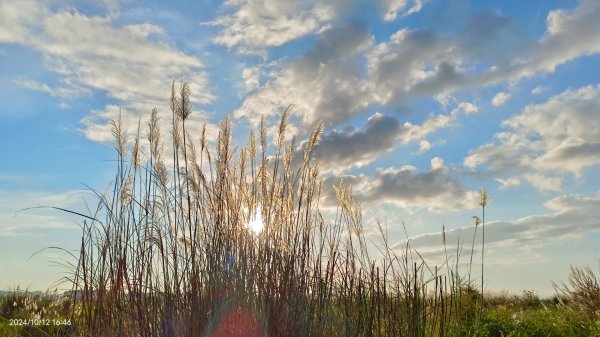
x: 168, y: 247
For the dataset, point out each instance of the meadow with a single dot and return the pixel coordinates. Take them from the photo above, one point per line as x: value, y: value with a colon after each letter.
x: 168, y: 251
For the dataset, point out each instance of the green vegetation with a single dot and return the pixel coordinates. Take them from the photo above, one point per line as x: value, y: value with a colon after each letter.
x: 527, y: 316
x: 167, y: 249
x: 27, y: 314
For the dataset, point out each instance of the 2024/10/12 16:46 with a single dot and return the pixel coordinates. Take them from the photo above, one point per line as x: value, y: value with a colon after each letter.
x: 38, y: 321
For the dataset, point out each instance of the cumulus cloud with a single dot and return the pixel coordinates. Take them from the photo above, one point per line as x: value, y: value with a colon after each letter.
x: 569, y: 35
x: 252, y: 25
x: 500, y: 98
x: 418, y: 62
x: 424, y: 146
x: 503, y: 155
x: 544, y: 183
x: 251, y: 77
x: 329, y: 81
x: 560, y: 128
x: 341, y: 150
x: 323, y: 84
x: 551, y: 137
x: 412, y: 61
x: 353, y: 147
x: 465, y: 107
x: 435, y: 189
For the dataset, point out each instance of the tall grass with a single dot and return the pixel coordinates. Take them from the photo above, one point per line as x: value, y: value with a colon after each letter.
x: 581, y: 290
x: 167, y: 243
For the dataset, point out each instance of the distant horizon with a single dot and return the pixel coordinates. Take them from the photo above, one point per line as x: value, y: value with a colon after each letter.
x: 423, y: 103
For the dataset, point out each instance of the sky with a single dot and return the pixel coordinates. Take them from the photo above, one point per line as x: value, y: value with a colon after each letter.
x: 424, y: 102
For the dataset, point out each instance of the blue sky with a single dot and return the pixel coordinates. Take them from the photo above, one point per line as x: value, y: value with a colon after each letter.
x: 424, y: 102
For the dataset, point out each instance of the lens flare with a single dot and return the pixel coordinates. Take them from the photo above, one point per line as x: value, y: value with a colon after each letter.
x: 255, y: 222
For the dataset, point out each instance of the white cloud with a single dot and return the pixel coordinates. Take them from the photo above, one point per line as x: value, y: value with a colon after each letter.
x: 466, y: 108
x: 560, y: 131
x: 435, y: 190
x: 391, y: 8
x: 503, y: 155
x: 17, y: 217
x: 538, y: 90
x: 569, y: 217
x: 342, y: 150
x: 437, y: 163
x: 509, y: 182
x: 251, y: 77
x: 418, y: 132
x: 323, y: 84
x: 552, y: 137
x: 67, y: 92
x: 500, y: 98
x: 131, y: 63
x: 254, y: 25
x: 352, y: 147
x: 424, y: 146
x: 544, y: 183
x: 412, y: 62
x: 569, y: 35
x: 417, y: 62
x: 124, y: 61
x: 16, y: 18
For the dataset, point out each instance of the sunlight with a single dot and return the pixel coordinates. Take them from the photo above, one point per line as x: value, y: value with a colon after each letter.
x: 255, y: 223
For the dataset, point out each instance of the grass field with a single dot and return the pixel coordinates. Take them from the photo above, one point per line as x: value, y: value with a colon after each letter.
x: 168, y: 247
x: 515, y: 315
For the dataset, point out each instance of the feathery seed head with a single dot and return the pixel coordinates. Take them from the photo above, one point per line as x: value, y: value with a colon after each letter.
x: 444, y: 234
x: 483, y: 197
x: 185, y: 105
x: 136, y: 155
x: 119, y: 135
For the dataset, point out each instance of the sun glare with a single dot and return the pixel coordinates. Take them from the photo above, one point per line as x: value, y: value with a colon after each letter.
x: 255, y: 223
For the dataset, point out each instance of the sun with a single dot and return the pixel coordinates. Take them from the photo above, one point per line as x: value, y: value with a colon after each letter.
x: 255, y: 222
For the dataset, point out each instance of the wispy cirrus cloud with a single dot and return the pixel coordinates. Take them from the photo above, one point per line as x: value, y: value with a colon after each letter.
x: 19, y: 215
x: 130, y: 63
x: 391, y: 9
x: 567, y: 216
